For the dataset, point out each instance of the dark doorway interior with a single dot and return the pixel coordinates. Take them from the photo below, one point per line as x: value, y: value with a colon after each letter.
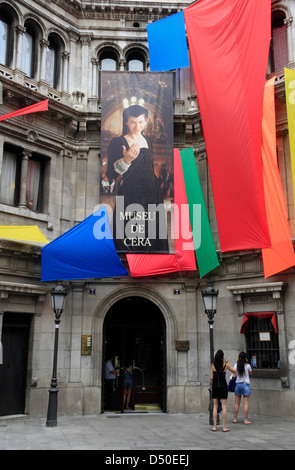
x: 134, y: 333
x: 13, y: 371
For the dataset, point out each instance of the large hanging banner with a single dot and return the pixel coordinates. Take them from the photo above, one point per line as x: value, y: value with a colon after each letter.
x: 85, y: 251
x: 168, y: 51
x: 281, y: 254
x: 207, y: 258
x: 290, y: 102
x: 137, y: 159
x: 229, y: 44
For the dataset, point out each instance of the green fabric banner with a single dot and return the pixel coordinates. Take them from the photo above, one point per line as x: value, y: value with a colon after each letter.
x: 202, y: 236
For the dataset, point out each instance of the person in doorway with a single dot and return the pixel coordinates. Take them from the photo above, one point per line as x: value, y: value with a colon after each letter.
x: 242, y: 388
x: 128, y: 384
x: 110, y: 376
x: 219, y: 387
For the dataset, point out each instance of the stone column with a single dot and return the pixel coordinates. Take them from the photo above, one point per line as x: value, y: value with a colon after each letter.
x: 65, y: 70
x: 94, y: 62
x: 122, y: 64
x: 86, y: 41
x: 76, y: 332
x: 42, y: 72
x: 20, y: 30
x: 23, y: 177
x: 72, y: 85
x: 288, y: 22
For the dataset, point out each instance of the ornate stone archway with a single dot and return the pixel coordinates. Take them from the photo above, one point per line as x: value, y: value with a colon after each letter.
x: 100, y: 315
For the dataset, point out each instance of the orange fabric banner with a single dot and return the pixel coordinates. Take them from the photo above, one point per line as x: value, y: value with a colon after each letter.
x: 281, y: 254
x: 34, y: 108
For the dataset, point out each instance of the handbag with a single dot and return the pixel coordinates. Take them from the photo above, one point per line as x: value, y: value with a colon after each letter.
x: 232, y: 384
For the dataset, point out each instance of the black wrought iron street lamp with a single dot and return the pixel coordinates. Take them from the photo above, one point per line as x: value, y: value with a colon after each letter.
x: 58, y: 297
x: 209, y: 296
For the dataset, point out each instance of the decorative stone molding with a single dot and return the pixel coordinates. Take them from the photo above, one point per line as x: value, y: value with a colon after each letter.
x: 7, y: 288
x: 10, y: 289
x: 262, y: 293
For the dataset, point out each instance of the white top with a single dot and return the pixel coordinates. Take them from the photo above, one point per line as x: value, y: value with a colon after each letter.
x: 108, y: 368
x: 245, y: 377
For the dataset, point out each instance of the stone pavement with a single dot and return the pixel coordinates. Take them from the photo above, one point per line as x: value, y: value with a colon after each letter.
x: 157, y: 432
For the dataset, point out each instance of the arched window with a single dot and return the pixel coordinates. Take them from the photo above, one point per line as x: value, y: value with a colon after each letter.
x: 3, y: 41
x: 279, y: 41
x: 6, y: 37
x: 135, y: 61
x: 53, y: 61
x: 108, y: 61
x: 29, y: 52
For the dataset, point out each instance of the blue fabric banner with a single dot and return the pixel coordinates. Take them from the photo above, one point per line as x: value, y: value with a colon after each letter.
x: 167, y: 43
x: 84, y: 252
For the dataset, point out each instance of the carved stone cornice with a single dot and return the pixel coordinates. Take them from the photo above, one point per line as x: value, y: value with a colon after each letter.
x: 145, y: 11
x: 265, y: 291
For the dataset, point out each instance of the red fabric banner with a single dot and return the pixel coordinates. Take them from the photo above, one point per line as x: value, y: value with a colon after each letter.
x: 184, y: 258
x: 281, y: 254
x: 229, y: 43
x: 261, y: 316
x: 34, y: 108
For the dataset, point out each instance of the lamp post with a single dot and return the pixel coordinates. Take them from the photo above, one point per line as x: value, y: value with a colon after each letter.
x: 58, y: 297
x: 209, y: 296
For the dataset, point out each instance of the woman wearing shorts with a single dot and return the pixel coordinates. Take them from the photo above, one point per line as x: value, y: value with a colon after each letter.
x: 128, y: 383
x: 243, y: 371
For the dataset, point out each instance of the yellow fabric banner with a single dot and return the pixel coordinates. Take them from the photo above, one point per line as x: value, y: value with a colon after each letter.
x: 290, y: 101
x: 30, y: 235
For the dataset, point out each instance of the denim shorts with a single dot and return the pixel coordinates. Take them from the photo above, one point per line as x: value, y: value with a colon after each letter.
x: 242, y: 389
x: 128, y: 382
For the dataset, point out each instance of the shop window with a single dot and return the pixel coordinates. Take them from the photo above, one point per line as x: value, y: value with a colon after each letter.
x: 279, y: 42
x: 13, y: 167
x: 262, y: 343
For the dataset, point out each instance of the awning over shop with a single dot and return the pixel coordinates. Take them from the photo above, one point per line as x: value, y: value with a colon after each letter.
x: 28, y: 234
x: 261, y: 316
x: 84, y: 252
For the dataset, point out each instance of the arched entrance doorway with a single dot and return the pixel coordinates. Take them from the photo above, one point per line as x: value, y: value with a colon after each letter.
x: 134, y: 333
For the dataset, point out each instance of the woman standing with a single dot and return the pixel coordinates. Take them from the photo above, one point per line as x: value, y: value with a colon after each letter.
x: 219, y: 387
x: 243, y: 371
x: 128, y: 383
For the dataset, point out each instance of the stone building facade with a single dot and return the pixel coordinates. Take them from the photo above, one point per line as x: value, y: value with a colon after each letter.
x: 58, y: 50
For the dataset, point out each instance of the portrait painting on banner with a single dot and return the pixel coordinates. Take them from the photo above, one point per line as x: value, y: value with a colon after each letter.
x: 137, y: 181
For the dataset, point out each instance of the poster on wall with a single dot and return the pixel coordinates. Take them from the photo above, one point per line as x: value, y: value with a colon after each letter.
x: 137, y: 178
